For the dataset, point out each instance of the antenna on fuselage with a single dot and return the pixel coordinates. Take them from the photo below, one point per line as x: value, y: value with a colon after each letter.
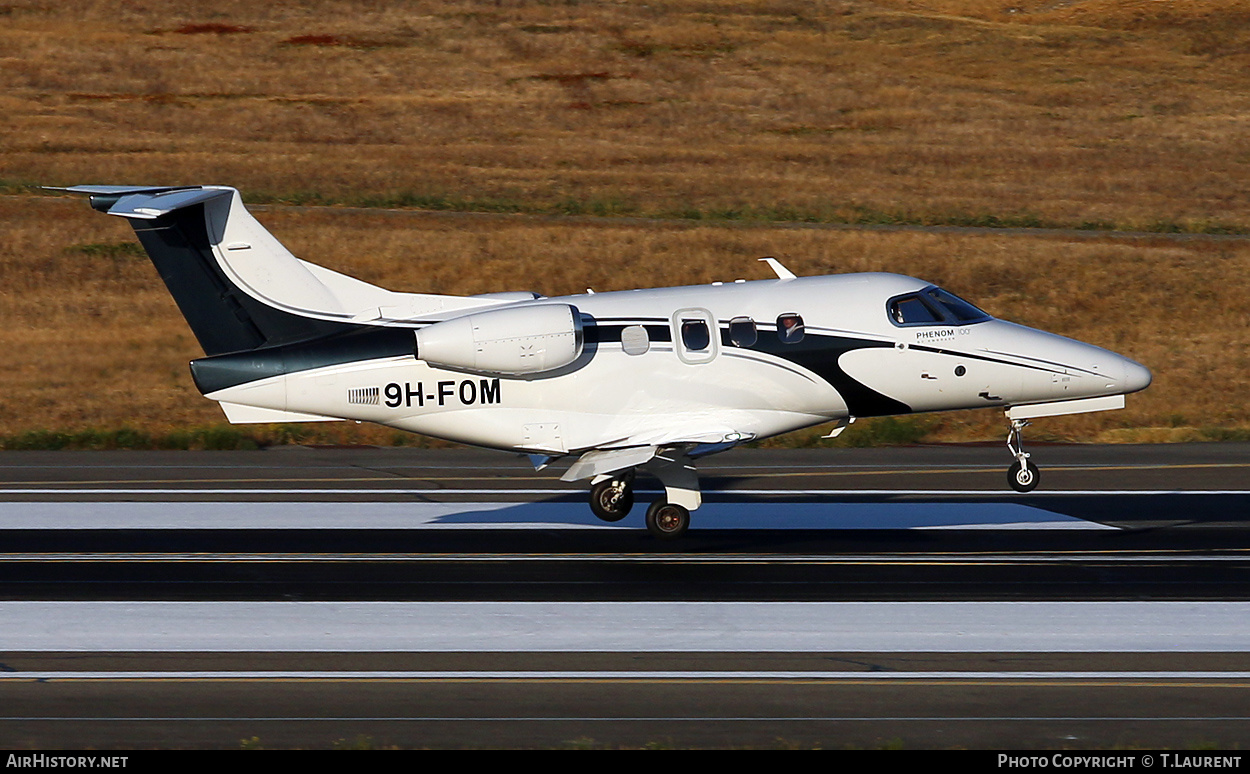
x: 782, y: 272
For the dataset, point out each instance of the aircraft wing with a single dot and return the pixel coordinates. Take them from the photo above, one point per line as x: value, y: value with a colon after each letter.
x: 603, y: 461
x: 692, y: 433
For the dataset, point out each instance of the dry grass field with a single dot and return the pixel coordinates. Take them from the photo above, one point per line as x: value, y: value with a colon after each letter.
x: 725, y: 118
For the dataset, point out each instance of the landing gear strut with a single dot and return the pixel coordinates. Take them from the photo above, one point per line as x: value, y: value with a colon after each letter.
x: 612, y: 485
x: 1023, y: 475
x: 612, y: 498
x: 669, y: 517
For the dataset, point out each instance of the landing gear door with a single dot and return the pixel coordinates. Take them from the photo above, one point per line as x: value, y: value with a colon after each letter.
x: 696, y: 337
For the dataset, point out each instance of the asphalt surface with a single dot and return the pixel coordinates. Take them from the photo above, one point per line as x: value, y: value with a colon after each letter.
x: 1119, y: 544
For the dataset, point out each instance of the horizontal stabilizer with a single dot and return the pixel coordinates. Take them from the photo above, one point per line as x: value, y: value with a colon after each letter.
x: 150, y: 206
x: 106, y: 198
x: 118, y: 190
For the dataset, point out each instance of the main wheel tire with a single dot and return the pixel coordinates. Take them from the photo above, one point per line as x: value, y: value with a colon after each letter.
x: 667, y: 521
x: 1023, y: 478
x: 610, y: 501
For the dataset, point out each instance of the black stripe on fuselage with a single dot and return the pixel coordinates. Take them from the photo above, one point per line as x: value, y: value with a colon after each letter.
x: 1063, y: 367
x: 817, y: 352
x: 362, y: 343
x: 1058, y: 368
x: 599, y: 332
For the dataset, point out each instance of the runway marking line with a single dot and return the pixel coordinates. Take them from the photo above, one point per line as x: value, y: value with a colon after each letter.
x: 707, y: 471
x: 627, y: 719
x: 981, y: 559
x: 719, y: 492
x: 1229, y: 679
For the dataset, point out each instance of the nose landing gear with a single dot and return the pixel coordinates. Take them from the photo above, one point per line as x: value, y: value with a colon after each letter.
x: 1023, y: 475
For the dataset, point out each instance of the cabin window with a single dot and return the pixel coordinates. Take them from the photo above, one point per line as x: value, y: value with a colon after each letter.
x: 692, y: 331
x: 790, y: 328
x: 695, y: 335
x: 634, y: 340
x: 742, y: 332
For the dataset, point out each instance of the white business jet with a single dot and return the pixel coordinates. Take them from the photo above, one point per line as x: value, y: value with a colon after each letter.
x: 640, y: 380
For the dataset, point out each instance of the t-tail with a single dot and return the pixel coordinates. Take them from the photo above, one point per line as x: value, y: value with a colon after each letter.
x: 238, y: 287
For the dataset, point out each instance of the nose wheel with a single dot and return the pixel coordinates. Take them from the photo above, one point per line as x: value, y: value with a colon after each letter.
x: 1023, y: 478
x: 611, y: 500
x: 1023, y: 475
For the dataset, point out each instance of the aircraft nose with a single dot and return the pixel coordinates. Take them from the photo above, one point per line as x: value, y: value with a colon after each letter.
x: 1136, y: 376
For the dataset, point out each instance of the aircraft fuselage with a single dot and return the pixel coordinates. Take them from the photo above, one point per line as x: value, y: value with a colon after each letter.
x: 641, y: 369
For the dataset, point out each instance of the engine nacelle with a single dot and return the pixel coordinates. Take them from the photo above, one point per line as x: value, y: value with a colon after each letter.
x: 512, y: 341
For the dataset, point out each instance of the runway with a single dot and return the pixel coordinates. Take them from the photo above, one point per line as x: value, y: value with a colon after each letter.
x: 826, y: 598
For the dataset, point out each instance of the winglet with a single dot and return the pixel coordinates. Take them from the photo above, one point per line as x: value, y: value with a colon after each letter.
x: 782, y: 272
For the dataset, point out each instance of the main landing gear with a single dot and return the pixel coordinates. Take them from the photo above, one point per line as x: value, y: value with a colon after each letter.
x: 1023, y: 475
x: 667, y: 520
x: 612, y: 495
x: 612, y: 498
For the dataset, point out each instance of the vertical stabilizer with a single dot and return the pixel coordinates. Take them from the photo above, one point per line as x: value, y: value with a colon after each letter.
x: 240, y: 288
x: 185, y: 231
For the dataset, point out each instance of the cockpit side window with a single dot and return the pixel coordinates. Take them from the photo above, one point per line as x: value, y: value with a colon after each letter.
x: 933, y: 306
x: 911, y: 310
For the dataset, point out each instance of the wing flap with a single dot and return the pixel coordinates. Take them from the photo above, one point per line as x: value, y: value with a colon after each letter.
x: 603, y: 461
x: 693, y: 434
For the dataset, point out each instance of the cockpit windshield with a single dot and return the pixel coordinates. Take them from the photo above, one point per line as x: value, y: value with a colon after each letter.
x: 933, y: 306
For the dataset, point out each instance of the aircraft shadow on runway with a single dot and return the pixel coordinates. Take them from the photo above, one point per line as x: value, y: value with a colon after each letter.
x: 903, y: 511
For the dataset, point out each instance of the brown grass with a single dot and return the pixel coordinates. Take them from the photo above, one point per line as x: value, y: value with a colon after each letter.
x: 1127, y: 111
x: 1124, y: 112
x: 211, y: 28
